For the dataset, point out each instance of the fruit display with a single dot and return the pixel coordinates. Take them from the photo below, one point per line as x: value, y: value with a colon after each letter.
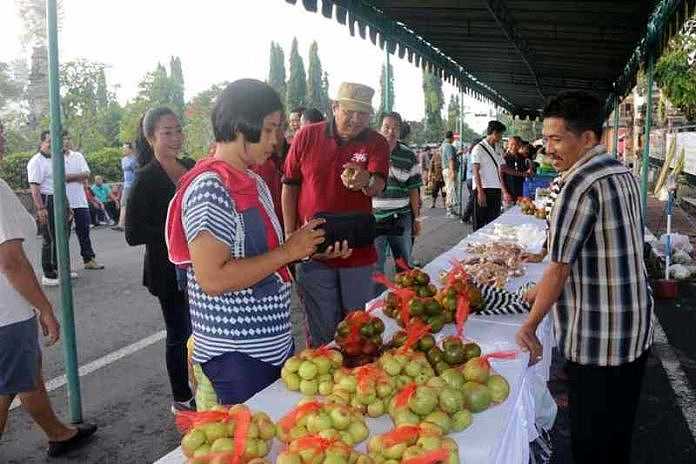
x: 366, y: 388
x: 311, y: 372
x: 435, y: 404
x: 316, y: 449
x: 453, y: 352
x: 481, y: 387
x: 413, y: 444
x: 529, y: 208
x: 359, y: 337
x: 328, y: 420
x: 226, y: 433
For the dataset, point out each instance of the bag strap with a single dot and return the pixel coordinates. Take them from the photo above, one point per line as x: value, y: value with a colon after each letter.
x: 490, y: 155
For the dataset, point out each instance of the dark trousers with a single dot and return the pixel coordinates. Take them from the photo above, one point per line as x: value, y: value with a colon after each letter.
x: 486, y: 214
x: 49, y: 253
x: 82, y: 221
x: 436, y: 188
x: 469, y: 209
x: 177, y: 321
x: 602, y: 402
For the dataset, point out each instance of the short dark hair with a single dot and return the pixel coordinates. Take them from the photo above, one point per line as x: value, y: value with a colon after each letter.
x: 517, y: 139
x: 312, y: 115
x: 241, y: 108
x: 44, y: 135
x: 495, y: 126
x: 394, y: 115
x: 582, y: 111
x: 299, y: 109
x: 449, y: 135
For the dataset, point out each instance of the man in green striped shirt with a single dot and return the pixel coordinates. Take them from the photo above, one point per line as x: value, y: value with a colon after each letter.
x: 397, y: 208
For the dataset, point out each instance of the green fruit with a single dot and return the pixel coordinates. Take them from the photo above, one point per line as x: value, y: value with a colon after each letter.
x: 330, y: 434
x: 251, y: 450
x: 378, y: 325
x: 426, y: 343
x: 293, y: 364
x: 384, y: 390
x: 412, y: 369
x: 366, y: 331
x: 342, y: 329
x: 422, y: 278
x: 433, y: 308
x: 451, y: 400
x: 391, y: 367
x: 262, y: 448
x: 434, y: 355
x: 395, y: 451
x: 440, y: 419
x: 202, y: 451
x: 423, y: 401
x: 441, y: 367
x: 436, y: 323
x: 415, y: 307
x: 450, y: 342
x: 267, y: 430
x: 429, y: 443
x: 423, y: 292
x: 454, y: 378
x: 309, y: 387
x: 359, y: 431
x: 287, y: 457
x: 346, y: 437
x: 292, y: 381
x: 461, y: 420
x: 332, y: 458
x: 308, y: 370
x: 454, y: 355
x: 402, y: 359
x: 436, y: 382
x: 213, y: 431
x: 406, y: 417
x: 192, y: 441
x: 222, y: 445
x: 476, y: 396
x: 499, y: 388
x: 450, y: 303
x: 323, y: 365
x: 376, y: 408
x: 471, y: 350
x: 298, y: 431
x: 340, y: 418
x: 325, y: 388
x: 318, y: 422
x: 476, y: 370
x: 402, y: 381
x: 253, y: 431
x: 348, y: 383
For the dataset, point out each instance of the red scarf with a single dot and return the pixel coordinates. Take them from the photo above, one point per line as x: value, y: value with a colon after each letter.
x: 242, y: 188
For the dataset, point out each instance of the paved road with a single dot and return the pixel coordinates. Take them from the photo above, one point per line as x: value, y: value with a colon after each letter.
x: 129, y: 398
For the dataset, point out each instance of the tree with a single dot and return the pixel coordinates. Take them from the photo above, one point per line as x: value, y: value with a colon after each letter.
x: 276, y: 70
x: 176, y: 76
x: 11, y: 89
x: 434, y: 101
x: 453, y: 114
x: 297, y: 83
x: 314, y: 78
x: 386, y: 88
x: 325, y: 106
x: 199, y: 128
x: 675, y: 72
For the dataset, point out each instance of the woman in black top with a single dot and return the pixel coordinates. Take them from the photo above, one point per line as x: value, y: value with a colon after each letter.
x: 158, y: 147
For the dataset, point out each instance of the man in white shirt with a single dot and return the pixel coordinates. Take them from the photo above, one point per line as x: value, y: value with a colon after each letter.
x: 21, y: 301
x: 487, y: 159
x: 76, y: 173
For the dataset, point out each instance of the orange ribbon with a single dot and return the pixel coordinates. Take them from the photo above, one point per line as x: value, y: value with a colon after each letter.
x: 431, y: 457
x: 414, y: 332
x: 512, y: 354
x: 462, y: 313
x: 315, y: 442
x: 293, y: 416
x: 401, y: 398
x: 242, y: 419
x: 400, y: 434
x: 186, y: 420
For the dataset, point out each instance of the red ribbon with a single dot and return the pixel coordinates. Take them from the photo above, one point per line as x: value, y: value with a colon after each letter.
x: 293, y: 416
x: 400, y: 434
x: 369, y: 372
x: 402, y: 264
x: 186, y: 420
x: 323, y: 350
x: 512, y: 354
x: 414, y: 331
x: 431, y: 457
x: 462, y: 313
x: 315, y: 442
x: 242, y: 418
x: 401, y: 398
x: 377, y: 304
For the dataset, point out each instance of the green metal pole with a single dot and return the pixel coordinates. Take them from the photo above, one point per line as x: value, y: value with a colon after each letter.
x: 60, y: 209
x: 461, y: 175
x: 615, y: 144
x: 387, y: 80
x: 650, y: 74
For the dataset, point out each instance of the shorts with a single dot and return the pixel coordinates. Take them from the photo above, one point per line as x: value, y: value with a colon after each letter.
x: 19, y: 357
x: 125, y: 193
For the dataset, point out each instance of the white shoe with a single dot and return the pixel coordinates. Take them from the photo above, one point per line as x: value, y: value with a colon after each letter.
x: 74, y: 275
x: 48, y: 282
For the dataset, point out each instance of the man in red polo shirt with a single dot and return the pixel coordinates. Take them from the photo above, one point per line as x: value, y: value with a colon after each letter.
x: 317, y: 180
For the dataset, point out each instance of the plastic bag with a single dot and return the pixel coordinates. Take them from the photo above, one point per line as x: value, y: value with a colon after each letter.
x: 679, y: 272
x: 681, y: 257
x: 679, y: 242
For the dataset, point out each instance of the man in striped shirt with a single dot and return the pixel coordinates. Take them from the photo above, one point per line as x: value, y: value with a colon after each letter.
x: 597, y: 281
x: 397, y: 208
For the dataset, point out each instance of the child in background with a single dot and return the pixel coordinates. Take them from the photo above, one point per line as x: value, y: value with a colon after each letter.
x: 205, y: 395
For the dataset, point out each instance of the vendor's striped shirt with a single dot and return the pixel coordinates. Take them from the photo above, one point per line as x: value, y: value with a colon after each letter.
x: 256, y: 320
x: 604, y: 316
x: 404, y: 176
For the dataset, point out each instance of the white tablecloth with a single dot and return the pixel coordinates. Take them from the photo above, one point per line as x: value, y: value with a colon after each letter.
x: 500, y: 435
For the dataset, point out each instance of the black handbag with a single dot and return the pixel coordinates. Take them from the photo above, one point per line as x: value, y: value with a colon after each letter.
x: 358, y: 229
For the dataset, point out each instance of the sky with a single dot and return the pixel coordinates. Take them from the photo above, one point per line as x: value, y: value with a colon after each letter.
x: 219, y: 40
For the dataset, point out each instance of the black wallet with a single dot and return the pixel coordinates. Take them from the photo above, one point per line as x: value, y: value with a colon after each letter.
x: 357, y: 228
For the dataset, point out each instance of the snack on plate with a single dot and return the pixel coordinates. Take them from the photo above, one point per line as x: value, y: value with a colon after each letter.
x: 225, y: 435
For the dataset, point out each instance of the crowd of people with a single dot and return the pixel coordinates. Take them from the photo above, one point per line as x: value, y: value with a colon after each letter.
x: 320, y: 206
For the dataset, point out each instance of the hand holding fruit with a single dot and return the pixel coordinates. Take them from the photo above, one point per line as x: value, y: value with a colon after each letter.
x: 354, y: 177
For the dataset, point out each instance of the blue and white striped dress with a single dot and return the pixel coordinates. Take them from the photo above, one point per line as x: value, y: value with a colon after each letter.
x: 256, y: 320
